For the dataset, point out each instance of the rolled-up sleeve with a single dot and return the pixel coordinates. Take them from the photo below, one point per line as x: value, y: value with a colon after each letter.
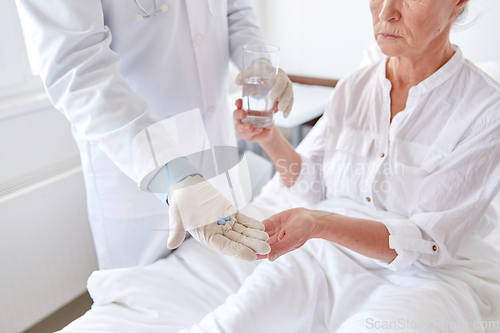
x: 406, y: 239
x: 450, y: 202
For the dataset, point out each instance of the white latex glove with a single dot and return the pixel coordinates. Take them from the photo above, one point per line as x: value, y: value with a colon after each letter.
x: 196, y: 206
x: 282, y: 91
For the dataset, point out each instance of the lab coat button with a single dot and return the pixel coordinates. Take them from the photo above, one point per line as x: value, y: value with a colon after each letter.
x: 211, y: 111
x: 198, y: 39
x: 368, y: 199
x: 164, y: 8
x: 434, y: 248
x: 382, y: 155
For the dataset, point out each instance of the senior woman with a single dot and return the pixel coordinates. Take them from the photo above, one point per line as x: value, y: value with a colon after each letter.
x: 416, y: 135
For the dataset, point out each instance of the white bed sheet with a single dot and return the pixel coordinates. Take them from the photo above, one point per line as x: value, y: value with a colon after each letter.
x: 184, y: 289
x: 494, y: 237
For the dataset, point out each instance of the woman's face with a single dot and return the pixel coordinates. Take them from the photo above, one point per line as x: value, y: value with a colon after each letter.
x: 410, y: 27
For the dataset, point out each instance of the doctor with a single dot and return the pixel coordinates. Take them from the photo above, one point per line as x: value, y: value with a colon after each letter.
x: 115, y: 68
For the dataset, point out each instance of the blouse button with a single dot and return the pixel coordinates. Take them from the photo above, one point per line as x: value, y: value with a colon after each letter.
x: 368, y: 199
x: 382, y: 155
x: 211, y: 111
x: 198, y: 39
x: 434, y: 248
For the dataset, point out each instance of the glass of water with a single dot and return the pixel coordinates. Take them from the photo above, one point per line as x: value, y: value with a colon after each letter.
x: 260, y: 69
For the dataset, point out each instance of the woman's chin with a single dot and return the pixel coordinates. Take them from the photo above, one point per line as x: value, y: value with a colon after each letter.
x: 390, y: 49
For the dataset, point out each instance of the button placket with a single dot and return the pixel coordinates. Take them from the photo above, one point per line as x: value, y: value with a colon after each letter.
x: 400, y: 118
x: 377, y: 164
x: 382, y: 143
x: 372, y: 169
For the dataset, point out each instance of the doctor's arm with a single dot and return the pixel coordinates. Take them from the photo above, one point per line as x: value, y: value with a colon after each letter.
x: 82, y: 77
x: 244, y: 30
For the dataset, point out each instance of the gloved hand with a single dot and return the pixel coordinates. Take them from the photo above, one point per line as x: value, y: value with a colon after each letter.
x: 282, y: 91
x: 196, y: 206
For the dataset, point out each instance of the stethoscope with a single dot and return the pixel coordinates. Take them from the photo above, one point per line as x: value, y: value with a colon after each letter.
x: 156, y: 10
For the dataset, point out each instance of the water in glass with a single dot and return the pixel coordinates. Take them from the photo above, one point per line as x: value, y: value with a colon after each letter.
x: 256, y: 101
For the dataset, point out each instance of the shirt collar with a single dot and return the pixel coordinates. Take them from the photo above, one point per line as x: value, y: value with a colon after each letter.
x: 437, y: 78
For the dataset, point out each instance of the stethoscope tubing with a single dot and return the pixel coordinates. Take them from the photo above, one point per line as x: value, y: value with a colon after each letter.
x: 155, y: 11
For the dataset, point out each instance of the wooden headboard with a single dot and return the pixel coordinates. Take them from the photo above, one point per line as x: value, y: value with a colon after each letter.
x: 313, y: 81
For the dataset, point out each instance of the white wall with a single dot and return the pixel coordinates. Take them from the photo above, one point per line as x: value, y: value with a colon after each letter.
x: 480, y: 40
x: 322, y: 38
x: 326, y: 38
x: 46, y: 246
x: 34, y: 141
x: 46, y: 250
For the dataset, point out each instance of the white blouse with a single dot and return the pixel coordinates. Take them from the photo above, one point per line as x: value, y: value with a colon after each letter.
x: 437, y: 163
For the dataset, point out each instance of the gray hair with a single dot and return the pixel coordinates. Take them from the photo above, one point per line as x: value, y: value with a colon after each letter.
x: 461, y: 16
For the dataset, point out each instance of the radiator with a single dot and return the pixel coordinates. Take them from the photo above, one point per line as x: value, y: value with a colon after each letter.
x: 46, y: 247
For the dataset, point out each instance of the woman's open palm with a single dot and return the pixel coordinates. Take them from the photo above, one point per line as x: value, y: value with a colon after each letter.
x: 288, y: 231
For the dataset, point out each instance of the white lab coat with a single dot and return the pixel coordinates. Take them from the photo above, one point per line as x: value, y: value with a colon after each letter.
x: 113, y: 76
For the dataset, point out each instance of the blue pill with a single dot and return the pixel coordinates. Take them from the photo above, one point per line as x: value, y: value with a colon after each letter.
x: 225, y: 217
x: 221, y: 222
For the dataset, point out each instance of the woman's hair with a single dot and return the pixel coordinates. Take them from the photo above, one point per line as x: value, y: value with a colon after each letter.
x: 461, y: 16
x: 460, y: 21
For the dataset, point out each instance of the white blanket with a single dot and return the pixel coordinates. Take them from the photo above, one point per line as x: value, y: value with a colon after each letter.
x: 318, y: 288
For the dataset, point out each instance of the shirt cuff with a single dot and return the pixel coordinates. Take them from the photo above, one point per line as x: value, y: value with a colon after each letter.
x: 406, y: 239
x: 172, y: 173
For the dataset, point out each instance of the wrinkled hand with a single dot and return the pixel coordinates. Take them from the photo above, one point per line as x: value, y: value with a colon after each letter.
x: 282, y: 91
x: 261, y: 135
x: 196, y: 206
x: 289, y: 230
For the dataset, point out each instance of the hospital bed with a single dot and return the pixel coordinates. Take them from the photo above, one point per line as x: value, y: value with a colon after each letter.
x: 198, y: 289
x: 138, y: 298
